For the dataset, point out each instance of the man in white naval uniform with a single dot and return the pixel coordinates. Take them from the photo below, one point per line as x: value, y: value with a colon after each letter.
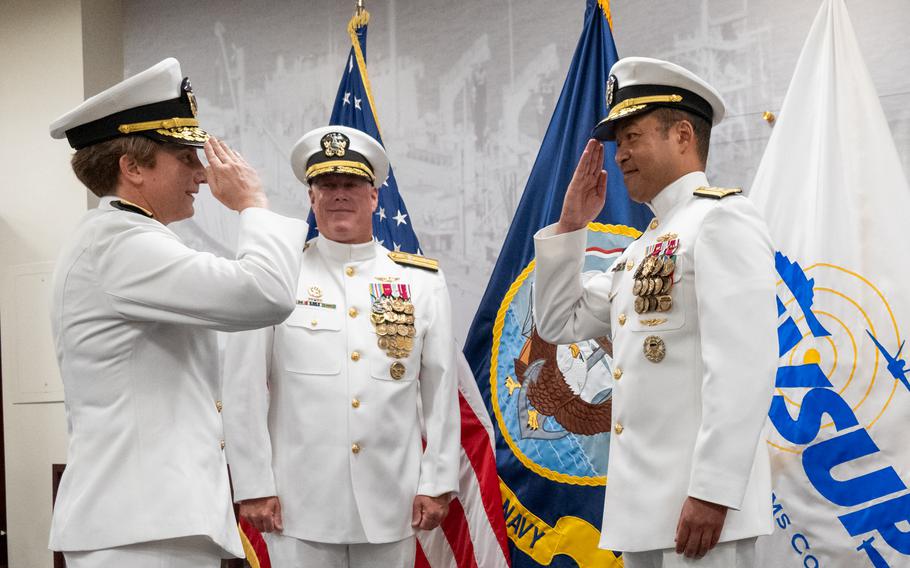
x: 134, y: 316
x: 323, y: 429
x: 691, y: 309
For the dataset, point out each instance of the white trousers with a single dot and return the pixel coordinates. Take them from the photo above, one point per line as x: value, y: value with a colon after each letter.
x: 187, y: 552
x: 290, y: 552
x: 733, y: 554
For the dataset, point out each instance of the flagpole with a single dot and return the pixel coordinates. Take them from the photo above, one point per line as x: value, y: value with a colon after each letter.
x: 359, y: 8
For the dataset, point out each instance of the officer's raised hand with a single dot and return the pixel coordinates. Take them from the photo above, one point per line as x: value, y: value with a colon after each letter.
x: 232, y: 180
x: 587, y: 191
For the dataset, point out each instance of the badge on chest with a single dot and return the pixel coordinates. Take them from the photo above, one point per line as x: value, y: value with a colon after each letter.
x: 653, y: 279
x: 392, y: 314
x: 314, y: 299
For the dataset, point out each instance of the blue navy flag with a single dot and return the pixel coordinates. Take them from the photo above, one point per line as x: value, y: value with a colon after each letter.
x: 354, y: 108
x: 553, y: 470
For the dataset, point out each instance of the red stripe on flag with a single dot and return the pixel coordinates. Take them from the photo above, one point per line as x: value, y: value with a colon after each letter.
x: 420, y: 561
x: 476, y: 443
x: 455, y: 527
x: 259, y: 549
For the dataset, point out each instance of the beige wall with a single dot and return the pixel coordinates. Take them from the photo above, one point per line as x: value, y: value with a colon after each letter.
x: 42, y: 66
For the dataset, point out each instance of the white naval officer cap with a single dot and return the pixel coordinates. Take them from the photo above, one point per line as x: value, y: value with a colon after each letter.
x: 157, y: 103
x: 339, y: 150
x: 641, y: 84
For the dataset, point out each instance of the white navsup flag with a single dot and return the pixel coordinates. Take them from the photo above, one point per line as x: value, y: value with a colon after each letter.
x: 832, y: 191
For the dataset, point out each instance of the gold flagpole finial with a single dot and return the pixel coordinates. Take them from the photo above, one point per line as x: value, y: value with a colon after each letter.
x: 359, y: 9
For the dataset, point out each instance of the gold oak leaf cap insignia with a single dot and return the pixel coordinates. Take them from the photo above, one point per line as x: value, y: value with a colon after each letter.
x: 415, y: 260
x: 716, y: 192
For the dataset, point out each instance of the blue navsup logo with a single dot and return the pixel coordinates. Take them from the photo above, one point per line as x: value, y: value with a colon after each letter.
x: 841, y: 370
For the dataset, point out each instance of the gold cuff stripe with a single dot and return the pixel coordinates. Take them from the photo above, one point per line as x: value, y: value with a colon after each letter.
x: 339, y: 167
x: 157, y: 124
x: 641, y: 102
x: 415, y: 260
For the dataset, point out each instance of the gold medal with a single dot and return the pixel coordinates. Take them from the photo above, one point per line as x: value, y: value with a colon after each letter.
x: 398, y: 305
x: 640, y: 269
x: 658, y: 284
x: 397, y: 370
x: 636, y: 288
x: 383, y: 343
x: 641, y: 304
x: 401, y: 329
x: 668, y: 266
x: 654, y: 349
x: 649, y: 288
x: 664, y: 303
x: 667, y: 284
x: 376, y: 318
x: 652, y: 266
x: 652, y: 303
x: 409, y: 308
x: 411, y: 331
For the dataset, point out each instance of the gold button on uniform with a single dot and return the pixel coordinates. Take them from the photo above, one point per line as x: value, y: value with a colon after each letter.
x: 622, y: 319
x: 617, y: 373
x: 219, y: 405
x: 352, y: 312
x: 355, y: 448
x: 349, y: 271
x: 313, y: 323
x: 222, y: 444
x: 355, y: 356
x: 652, y: 226
x: 618, y: 428
x: 629, y: 264
x: 355, y: 403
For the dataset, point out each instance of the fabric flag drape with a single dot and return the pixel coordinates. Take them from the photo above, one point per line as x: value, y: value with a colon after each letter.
x: 833, y: 193
x: 552, y: 473
x: 473, y: 534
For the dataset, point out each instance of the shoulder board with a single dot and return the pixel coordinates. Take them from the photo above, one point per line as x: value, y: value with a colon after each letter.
x: 409, y: 259
x: 124, y: 205
x: 716, y: 192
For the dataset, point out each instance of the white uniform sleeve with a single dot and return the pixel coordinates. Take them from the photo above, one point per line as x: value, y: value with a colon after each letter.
x: 737, y: 323
x: 247, y: 362
x: 150, y: 275
x: 565, y: 310
x: 439, y: 399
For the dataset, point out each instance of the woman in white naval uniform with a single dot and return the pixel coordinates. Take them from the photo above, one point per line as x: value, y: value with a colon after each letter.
x: 134, y: 316
x: 322, y: 419
x: 691, y: 309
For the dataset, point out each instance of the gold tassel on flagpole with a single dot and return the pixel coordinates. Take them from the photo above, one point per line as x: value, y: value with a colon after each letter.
x: 361, y: 16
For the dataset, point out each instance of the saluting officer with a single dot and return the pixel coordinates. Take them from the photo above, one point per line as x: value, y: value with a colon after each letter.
x: 691, y: 309
x: 134, y: 318
x: 322, y: 418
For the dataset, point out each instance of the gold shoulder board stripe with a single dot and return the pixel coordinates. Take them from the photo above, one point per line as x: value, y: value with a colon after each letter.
x: 716, y: 192
x: 415, y: 260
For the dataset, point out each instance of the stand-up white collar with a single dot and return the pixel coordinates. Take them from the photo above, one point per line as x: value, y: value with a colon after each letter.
x: 676, y: 193
x: 342, y: 252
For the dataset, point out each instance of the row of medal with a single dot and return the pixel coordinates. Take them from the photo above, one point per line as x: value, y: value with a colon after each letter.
x: 393, y: 319
x: 653, y: 278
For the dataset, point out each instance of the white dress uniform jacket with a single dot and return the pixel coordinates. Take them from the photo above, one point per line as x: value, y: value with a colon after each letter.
x: 691, y: 424
x: 134, y: 315
x: 314, y: 415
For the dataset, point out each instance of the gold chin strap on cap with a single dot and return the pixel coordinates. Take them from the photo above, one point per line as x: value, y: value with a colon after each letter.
x: 639, y: 103
x: 157, y: 124
x: 349, y: 167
